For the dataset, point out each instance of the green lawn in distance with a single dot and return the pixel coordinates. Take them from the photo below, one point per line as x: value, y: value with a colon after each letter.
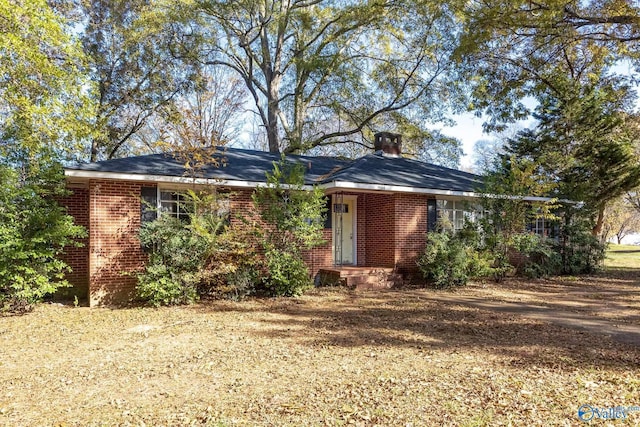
x: 623, y: 256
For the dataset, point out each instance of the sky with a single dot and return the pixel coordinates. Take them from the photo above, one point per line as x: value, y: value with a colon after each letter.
x: 468, y: 128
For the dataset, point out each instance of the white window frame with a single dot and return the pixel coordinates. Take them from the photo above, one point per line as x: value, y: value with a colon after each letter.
x: 543, y: 227
x: 179, y: 211
x: 458, y: 213
x: 224, y: 208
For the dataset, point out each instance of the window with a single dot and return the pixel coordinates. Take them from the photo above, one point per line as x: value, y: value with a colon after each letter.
x: 179, y: 204
x: 454, y: 213
x: 175, y: 203
x: 341, y: 208
x: 148, y: 204
x: 544, y: 227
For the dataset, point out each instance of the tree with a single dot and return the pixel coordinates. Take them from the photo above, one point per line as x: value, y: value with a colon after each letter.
x: 485, y: 153
x: 208, y: 116
x: 44, y: 98
x: 620, y: 220
x: 45, y: 112
x: 584, y: 143
x: 633, y: 198
x: 507, y: 184
x: 321, y: 72
x: 128, y: 44
x: 513, y: 49
x: 560, y: 53
x: 507, y: 214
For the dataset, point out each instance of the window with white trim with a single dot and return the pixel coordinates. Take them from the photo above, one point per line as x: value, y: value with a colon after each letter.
x: 175, y: 203
x: 455, y: 213
x: 544, y: 227
x: 179, y: 204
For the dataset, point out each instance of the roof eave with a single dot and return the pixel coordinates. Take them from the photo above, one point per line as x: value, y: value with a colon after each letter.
x: 328, y: 186
x: 160, y: 179
x: 385, y: 188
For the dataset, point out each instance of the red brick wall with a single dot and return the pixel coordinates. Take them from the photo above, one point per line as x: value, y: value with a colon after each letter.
x: 241, y: 206
x: 77, y: 205
x: 410, y: 230
x: 390, y: 233
x: 115, y: 254
x: 320, y: 256
x: 379, y: 230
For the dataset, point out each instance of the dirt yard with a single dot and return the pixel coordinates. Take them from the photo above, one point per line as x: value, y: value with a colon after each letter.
x: 332, y: 357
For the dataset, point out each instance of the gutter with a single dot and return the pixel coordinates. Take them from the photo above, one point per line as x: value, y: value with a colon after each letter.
x: 332, y: 186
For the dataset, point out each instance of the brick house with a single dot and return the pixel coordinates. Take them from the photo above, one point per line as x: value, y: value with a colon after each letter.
x: 381, y: 206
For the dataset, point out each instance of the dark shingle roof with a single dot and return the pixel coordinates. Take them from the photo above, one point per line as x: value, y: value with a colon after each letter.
x: 388, y: 170
x: 247, y: 165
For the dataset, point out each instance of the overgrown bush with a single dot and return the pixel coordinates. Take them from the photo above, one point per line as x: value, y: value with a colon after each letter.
x: 234, y: 268
x: 445, y: 260
x: 199, y: 257
x: 537, y: 255
x: 205, y: 257
x: 452, y: 258
x: 161, y: 285
x: 288, y: 274
x: 34, y: 230
x: 507, y: 214
x: 483, y: 258
x: 295, y: 222
x: 580, y: 252
x: 176, y: 255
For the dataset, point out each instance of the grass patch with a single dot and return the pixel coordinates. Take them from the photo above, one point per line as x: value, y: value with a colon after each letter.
x: 623, y: 256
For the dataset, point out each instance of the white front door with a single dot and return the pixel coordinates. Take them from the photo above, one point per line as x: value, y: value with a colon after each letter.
x: 344, y: 231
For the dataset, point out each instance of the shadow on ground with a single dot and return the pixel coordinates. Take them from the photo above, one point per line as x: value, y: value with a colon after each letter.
x: 425, y: 321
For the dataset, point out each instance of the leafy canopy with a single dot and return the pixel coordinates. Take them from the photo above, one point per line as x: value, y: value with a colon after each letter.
x: 44, y: 95
x: 585, y: 146
x: 326, y: 72
x: 514, y: 49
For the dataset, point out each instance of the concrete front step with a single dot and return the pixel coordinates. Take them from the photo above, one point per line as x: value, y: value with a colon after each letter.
x: 359, y: 277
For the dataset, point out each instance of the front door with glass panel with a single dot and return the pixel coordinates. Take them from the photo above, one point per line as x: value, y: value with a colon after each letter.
x: 343, y: 232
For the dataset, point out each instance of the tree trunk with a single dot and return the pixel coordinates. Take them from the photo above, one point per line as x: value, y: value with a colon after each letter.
x: 94, y: 151
x: 597, y: 229
x: 272, y: 128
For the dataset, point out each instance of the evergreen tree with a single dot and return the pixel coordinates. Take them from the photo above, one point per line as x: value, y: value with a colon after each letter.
x: 583, y: 144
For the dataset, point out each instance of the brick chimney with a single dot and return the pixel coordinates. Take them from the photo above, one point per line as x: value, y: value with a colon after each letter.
x: 389, y: 143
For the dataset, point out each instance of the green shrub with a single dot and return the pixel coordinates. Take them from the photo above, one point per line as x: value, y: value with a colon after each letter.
x: 176, y: 256
x: 295, y: 218
x: 445, y: 260
x: 580, y: 252
x: 34, y: 230
x: 160, y: 286
x: 539, y: 257
x: 482, y: 264
x: 234, y: 267
x: 288, y: 274
x: 172, y: 243
x: 200, y: 257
